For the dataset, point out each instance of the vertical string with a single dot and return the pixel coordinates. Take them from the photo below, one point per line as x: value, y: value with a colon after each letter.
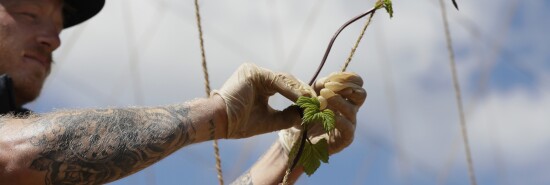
x: 357, y: 42
x: 329, y: 47
x: 303, y: 133
x: 456, y: 85
x: 207, y: 90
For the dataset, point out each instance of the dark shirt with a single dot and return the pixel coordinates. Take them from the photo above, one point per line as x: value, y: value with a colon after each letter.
x: 7, y: 98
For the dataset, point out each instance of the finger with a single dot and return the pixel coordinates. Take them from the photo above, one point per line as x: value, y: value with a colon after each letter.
x: 316, y: 129
x: 320, y: 84
x: 284, y: 119
x: 346, y: 91
x: 337, y: 86
x: 344, y: 77
x: 270, y: 82
x: 345, y: 126
x: 355, y: 96
x: 340, y: 77
x: 327, y: 93
x: 290, y: 87
x: 342, y: 136
x: 323, y: 103
x: 340, y: 105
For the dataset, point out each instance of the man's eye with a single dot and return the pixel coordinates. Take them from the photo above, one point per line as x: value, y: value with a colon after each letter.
x: 28, y: 15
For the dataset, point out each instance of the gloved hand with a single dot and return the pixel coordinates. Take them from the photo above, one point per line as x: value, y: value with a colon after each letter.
x: 246, y: 95
x: 344, y: 95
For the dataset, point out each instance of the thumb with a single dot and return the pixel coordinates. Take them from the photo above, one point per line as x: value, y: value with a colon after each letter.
x: 284, y: 119
x: 288, y: 86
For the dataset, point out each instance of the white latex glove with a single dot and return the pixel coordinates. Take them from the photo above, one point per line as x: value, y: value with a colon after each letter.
x: 344, y: 95
x: 246, y: 95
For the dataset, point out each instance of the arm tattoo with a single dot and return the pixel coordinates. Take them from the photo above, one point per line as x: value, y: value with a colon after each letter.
x: 244, y: 179
x: 99, y: 146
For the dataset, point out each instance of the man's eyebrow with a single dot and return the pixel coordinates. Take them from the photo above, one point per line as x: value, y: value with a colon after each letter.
x: 23, y: 4
x: 15, y: 4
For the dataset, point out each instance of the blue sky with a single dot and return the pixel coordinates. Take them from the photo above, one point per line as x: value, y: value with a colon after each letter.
x: 145, y: 53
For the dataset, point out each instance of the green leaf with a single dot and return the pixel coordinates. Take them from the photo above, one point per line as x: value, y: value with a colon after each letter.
x: 313, y: 113
x: 329, y: 122
x: 388, y: 6
x: 311, y: 106
x: 321, y: 150
x: 313, y: 155
x: 308, y: 160
x: 307, y: 102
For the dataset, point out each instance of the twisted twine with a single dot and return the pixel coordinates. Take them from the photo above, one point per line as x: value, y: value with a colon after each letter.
x: 207, y: 89
x: 357, y: 42
x: 456, y: 86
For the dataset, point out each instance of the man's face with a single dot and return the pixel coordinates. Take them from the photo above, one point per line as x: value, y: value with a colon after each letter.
x: 29, y: 33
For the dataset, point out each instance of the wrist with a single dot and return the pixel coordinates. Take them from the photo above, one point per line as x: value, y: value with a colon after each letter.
x: 287, y: 138
x: 220, y: 117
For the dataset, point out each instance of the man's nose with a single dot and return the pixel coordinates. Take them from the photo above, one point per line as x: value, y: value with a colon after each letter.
x: 49, y: 38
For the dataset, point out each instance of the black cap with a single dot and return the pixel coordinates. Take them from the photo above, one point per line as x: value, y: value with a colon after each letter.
x: 78, y: 11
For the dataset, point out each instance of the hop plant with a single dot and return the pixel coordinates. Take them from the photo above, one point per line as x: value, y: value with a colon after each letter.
x: 313, y: 154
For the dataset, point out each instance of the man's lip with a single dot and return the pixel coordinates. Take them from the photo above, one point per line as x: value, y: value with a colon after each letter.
x: 42, y: 60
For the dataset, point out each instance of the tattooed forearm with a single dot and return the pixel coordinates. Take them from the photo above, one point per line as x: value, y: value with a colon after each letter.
x: 99, y: 146
x: 244, y: 179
